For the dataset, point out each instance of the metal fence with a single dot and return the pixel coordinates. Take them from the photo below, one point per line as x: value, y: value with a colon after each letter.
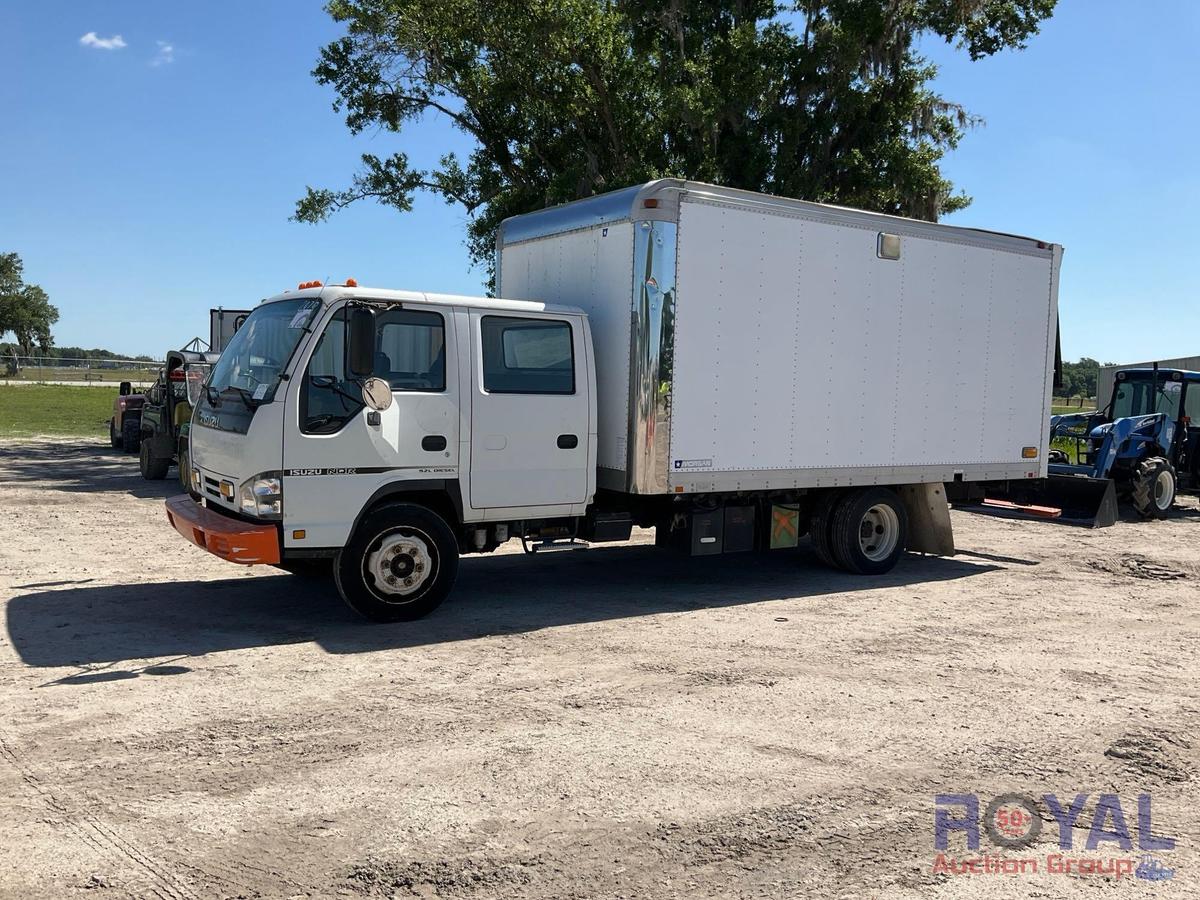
x: 87, y: 370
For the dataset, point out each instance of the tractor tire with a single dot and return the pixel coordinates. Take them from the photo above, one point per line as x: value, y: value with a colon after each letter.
x: 399, y: 565
x: 131, y: 435
x: 1154, y: 487
x: 154, y: 468
x: 870, y: 531
x: 820, y: 526
x: 113, y: 437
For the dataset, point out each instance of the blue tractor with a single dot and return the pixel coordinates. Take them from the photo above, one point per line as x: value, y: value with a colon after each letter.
x: 1143, y: 447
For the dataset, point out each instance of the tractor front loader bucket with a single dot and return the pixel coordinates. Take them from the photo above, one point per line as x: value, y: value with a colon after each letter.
x: 1070, y: 499
x: 1082, y: 499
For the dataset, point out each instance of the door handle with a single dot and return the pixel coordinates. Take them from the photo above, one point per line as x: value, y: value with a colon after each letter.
x: 568, y: 441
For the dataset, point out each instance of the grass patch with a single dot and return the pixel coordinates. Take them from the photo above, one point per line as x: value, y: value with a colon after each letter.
x: 55, y: 409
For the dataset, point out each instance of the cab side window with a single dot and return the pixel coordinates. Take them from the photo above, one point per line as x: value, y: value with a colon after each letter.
x: 527, y: 356
x: 411, y: 355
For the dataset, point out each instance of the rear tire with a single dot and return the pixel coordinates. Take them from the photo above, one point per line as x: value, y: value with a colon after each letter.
x: 821, y: 524
x: 131, y: 435
x: 113, y: 437
x: 154, y: 468
x: 870, y: 531
x: 1155, y: 485
x: 400, y: 564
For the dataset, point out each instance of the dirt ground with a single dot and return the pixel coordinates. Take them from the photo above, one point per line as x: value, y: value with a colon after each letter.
x: 608, y: 723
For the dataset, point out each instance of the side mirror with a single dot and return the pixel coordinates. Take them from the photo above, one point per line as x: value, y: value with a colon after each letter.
x: 125, y: 389
x: 377, y: 394
x: 361, y: 357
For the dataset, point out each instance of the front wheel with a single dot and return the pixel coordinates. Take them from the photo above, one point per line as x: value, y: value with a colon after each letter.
x: 400, y: 564
x: 113, y: 437
x: 870, y: 531
x: 154, y: 468
x: 1154, y: 488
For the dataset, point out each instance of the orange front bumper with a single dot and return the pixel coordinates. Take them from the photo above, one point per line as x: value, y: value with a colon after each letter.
x: 231, y: 539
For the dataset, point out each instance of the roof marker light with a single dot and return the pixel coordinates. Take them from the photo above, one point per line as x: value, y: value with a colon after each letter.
x: 350, y: 282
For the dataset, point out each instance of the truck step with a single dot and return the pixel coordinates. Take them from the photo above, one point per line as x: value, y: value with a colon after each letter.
x: 555, y: 546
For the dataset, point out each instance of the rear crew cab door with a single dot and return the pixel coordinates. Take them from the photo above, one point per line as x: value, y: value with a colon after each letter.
x: 529, y: 410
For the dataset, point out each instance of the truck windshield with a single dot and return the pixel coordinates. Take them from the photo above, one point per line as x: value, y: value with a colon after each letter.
x: 1141, y: 398
x: 250, y: 366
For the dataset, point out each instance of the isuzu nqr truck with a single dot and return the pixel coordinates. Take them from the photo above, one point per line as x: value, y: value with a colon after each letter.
x: 732, y: 369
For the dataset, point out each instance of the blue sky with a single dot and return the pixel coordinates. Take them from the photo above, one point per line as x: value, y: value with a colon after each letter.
x: 145, y: 183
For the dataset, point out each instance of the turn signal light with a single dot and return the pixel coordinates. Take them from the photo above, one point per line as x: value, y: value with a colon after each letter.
x: 1029, y: 453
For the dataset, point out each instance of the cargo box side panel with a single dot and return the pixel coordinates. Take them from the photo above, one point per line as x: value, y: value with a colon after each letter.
x: 799, y: 351
x: 592, y: 269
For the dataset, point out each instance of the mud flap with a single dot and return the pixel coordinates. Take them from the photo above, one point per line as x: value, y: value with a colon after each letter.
x: 929, y: 528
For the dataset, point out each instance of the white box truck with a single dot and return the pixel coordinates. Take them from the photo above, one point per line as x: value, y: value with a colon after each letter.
x: 732, y: 369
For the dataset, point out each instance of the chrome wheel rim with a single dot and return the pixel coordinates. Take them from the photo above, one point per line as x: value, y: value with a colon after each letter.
x: 401, y: 565
x: 879, y: 532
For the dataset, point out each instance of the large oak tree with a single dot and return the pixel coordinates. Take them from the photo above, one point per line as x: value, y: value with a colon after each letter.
x: 827, y: 101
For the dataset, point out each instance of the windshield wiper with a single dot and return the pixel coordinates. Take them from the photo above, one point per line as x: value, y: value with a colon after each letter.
x: 245, y: 396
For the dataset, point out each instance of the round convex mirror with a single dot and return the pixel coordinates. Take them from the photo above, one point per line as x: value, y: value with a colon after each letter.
x: 377, y: 394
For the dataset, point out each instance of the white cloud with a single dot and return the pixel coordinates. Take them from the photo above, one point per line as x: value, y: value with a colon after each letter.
x: 165, y: 55
x: 91, y: 39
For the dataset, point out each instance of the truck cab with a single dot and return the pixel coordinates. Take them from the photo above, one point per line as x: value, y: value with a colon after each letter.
x: 482, y: 414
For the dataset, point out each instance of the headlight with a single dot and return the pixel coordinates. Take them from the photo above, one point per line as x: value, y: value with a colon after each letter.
x: 262, y: 496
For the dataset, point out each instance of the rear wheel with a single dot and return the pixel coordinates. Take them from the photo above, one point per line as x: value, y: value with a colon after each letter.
x: 154, y: 468
x: 821, y: 525
x: 1154, y: 488
x: 399, y: 565
x: 870, y: 531
x: 131, y: 435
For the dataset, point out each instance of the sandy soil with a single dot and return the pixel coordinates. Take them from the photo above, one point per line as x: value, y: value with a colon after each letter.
x: 608, y: 723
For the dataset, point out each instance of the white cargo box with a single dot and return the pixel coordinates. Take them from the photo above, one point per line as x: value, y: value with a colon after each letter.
x: 748, y: 342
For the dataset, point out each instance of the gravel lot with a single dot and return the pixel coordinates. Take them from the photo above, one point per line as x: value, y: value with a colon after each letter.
x: 610, y: 723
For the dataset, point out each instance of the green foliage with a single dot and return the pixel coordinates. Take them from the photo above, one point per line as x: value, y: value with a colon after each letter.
x: 54, y: 409
x: 1079, y: 378
x: 25, y: 309
x: 824, y: 100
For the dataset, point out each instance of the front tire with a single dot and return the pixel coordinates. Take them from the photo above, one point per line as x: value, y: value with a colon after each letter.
x: 185, y: 471
x: 1155, y: 485
x: 154, y: 468
x: 400, y: 564
x: 870, y: 531
x: 113, y: 437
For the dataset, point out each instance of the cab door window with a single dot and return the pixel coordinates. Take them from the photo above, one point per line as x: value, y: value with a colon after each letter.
x: 328, y: 399
x: 527, y: 356
x: 410, y: 355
